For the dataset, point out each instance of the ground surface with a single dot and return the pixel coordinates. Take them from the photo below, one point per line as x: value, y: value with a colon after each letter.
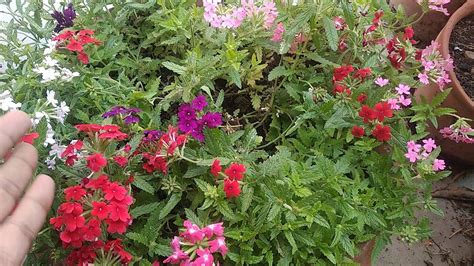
x: 452, y: 241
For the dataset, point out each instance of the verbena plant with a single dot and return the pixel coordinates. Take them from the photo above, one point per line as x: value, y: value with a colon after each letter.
x: 245, y: 133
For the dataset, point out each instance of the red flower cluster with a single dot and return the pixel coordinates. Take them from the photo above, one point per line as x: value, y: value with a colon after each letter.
x: 70, y: 154
x: 96, y: 162
x: 109, y: 132
x: 342, y: 72
x: 74, y: 41
x: 233, y: 174
x: 375, y: 24
x: 99, y: 204
x: 380, y: 111
x: 165, y: 147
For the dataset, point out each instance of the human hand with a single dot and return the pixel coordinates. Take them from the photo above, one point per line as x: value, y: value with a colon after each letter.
x: 21, y: 215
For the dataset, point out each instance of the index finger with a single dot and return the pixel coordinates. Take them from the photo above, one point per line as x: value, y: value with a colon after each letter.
x: 13, y: 126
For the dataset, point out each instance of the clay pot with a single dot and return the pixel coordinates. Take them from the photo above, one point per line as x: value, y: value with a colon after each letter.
x: 431, y: 24
x: 457, y: 99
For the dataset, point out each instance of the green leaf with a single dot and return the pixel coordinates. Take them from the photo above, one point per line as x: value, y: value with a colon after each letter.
x: 279, y: 71
x: 348, y: 245
x: 327, y: 252
x: 331, y: 33
x: 247, y: 197
x: 137, y: 238
x: 134, y: 142
x: 192, y: 217
x: 380, y: 243
x: 274, y: 211
x: 144, y: 209
x: 292, y: 241
x: 172, y: 202
x: 321, y: 221
x: 440, y: 97
x: 174, y: 67
x: 140, y: 183
x: 256, y: 101
x: 235, y: 77
x: 337, y: 236
x: 202, y: 185
x: 225, y: 210
x: 324, y: 62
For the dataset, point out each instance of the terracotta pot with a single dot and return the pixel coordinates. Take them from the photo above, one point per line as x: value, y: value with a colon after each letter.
x: 431, y: 24
x: 365, y: 256
x: 457, y: 99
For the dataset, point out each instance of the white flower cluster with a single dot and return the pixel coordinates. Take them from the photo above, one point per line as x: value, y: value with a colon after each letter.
x: 50, y: 69
x: 7, y: 103
x: 51, y: 109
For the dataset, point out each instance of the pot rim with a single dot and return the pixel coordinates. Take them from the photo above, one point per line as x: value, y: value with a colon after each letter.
x: 444, y: 39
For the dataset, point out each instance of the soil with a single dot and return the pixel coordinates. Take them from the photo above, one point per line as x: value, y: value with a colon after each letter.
x: 461, y: 48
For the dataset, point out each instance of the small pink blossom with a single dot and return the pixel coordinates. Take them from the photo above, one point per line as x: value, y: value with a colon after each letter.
x: 393, y: 104
x: 438, y: 165
x: 411, y: 145
x: 193, y: 233
x: 412, y: 156
x: 424, y: 78
x: 218, y: 245
x: 278, y: 32
x: 205, y: 258
x: 403, y: 89
x: 381, y: 81
x: 339, y: 23
x: 213, y: 229
x: 429, y: 145
x: 404, y: 101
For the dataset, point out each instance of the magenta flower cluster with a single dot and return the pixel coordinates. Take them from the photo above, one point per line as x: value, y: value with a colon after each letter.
x: 192, y: 118
x: 458, y: 134
x: 201, y: 245
x: 436, y: 5
x: 435, y: 67
x: 420, y: 152
x: 229, y: 17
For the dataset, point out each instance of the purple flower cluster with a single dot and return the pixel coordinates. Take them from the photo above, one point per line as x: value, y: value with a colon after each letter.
x: 129, y: 114
x: 188, y: 121
x: 152, y: 135
x: 64, y: 19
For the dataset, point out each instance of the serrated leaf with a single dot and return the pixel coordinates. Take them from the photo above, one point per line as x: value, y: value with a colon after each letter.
x: 321, y: 221
x: 235, y: 77
x: 324, y: 62
x: 274, y: 211
x: 327, y: 252
x: 192, y: 217
x: 161, y: 250
x: 134, y: 142
x: 225, y: 210
x: 348, y: 246
x: 331, y: 33
x: 143, y: 209
x: 174, y: 67
x: 256, y: 101
x: 202, y: 185
x: 277, y: 72
x: 140, y: 183
x: 292, y: 241
x: 247, y: 198
x: 172, y: 202
x: 137, y: 238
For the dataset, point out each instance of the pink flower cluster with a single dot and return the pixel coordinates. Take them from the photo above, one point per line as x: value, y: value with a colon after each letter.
x: 436, y: 5
x: 458, y: 134
x: 202, y: 243
x: 403, y: 99
x: 220, y: 16
x: 436, y: 68
x: 419, y: 152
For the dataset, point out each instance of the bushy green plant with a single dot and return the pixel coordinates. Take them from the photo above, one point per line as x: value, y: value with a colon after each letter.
x: 317, y: 106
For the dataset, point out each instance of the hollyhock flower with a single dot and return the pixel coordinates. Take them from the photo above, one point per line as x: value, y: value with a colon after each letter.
x: 381, y: 81
x: 362, y: 98
x: 362, y: 73
x: 218, y: 245
x: 231, y: 188
x: 216, y: 168
x: 340, y: 73
x: 381, y: 133
x: 439, y: 165
x: 121, y: 160
x: 96, y: 162
x: 204, y: 258
x: 30, y: 138
x: 278, y: 32
x: 367, y: 113
x: 403, y: 89
x: 339, y: 23
x: 199, y: 103
x: 235, y: 171
x: 382, y: 110
x: 404, y: 101
x: 100, y: 210
x: 114, y: 191
x: 357, y: 132
x: 74, y: 193
x: 429, y: 144
x: 394, y: 104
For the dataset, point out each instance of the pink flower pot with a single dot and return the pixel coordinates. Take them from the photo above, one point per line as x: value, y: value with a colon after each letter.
x: 457, y: 99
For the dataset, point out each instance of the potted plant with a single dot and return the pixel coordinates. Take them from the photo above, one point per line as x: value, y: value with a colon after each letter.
x: 428, y: 22
x: 250, y: 132
x: 454, y: 134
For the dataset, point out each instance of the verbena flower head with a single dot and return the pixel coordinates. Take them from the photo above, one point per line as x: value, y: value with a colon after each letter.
x: 458, y: 132
x: 64, y: 19
x: 190, y: 122
x: 128, y: 114
x: 436, y: 5
x: 435, y: 67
